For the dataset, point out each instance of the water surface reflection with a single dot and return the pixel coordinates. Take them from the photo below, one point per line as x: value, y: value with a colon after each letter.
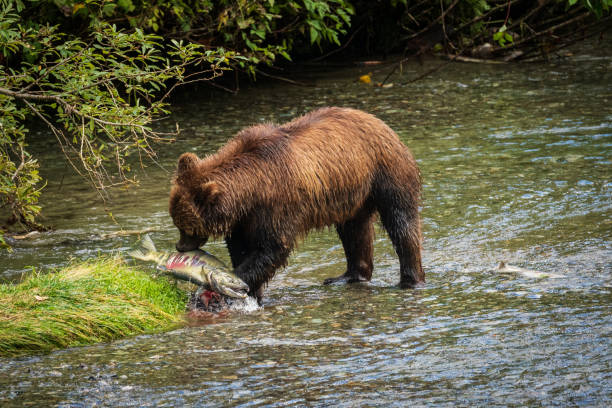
x: 516, y: 166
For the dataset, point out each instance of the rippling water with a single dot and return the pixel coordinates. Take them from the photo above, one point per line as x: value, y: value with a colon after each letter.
x: 516, y: 163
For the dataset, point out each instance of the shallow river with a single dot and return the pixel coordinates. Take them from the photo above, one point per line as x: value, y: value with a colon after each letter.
x: 516, y: 163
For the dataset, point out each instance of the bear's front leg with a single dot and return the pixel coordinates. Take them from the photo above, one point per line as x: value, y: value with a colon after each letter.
x: 259, y: 266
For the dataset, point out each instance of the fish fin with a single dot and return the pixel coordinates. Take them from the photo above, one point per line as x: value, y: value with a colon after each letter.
x: 146, y: 247
x: 137, y: 253
x: 147, y: 243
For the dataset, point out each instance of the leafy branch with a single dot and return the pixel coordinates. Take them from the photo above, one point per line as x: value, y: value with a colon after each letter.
x: 91, y: 73
x: 99, y: 99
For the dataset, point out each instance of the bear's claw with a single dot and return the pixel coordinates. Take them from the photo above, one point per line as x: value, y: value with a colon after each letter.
x: 345, y: 278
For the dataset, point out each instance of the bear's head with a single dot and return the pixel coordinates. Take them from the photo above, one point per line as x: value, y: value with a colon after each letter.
x: 192, y: 201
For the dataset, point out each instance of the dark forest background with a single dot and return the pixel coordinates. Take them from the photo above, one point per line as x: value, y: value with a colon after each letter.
x: 97, y: 73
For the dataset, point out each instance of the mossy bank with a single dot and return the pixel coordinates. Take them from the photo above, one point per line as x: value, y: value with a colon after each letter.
x: 86, y: 303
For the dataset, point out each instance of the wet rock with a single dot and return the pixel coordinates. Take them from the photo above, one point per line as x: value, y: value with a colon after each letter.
x: 482, y: 51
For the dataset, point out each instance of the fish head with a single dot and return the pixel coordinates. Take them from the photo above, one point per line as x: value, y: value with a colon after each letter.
x: 229, y: 285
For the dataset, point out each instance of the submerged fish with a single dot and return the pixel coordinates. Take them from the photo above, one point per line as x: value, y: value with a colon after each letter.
x: 197, y: 266
x: 504, y: 268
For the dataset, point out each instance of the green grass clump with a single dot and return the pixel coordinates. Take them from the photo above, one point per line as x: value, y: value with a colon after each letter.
x: 85, y: 303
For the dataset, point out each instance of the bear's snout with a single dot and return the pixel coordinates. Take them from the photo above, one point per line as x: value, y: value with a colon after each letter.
x: 189, y: 243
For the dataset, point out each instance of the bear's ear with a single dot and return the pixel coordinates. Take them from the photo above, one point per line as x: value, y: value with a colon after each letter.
x: 211, y: 189
x: 187, y: 161
x: 209, y: 193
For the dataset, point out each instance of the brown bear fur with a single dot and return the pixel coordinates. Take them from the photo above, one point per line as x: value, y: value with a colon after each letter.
x: 271, y: 184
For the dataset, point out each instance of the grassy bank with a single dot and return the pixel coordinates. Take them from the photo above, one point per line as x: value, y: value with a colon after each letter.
x: 85, y: 303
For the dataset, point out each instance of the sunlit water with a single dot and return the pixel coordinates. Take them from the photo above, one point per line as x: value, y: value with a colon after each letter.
x: 516, y: 163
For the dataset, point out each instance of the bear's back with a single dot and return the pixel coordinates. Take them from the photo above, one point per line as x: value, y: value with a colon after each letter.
x: 330, y: 155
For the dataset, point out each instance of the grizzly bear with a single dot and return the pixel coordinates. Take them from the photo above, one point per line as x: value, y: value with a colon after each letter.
x: 271, y: 184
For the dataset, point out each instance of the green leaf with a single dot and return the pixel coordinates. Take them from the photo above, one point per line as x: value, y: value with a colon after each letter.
x: 285, y: 54
x: 314, y: 23
x: 126, y: 5
x: 314, y: 35
x: 250, y: 44
x: 108, y: 9
x: 309, y: 5
x: 259, y: 32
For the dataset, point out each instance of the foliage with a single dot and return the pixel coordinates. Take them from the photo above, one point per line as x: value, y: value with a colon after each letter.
x: 19, y: 178
x: 598, y: 7
x: 100, y: 86
x: 90, y: 302
x: 98, y: 97
x: 264, y: 29
x: 509, y: 30
x: 98, y: 73
x: 502, y: 36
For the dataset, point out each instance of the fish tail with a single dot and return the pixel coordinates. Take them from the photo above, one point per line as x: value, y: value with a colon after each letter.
x: 147, y: 243
x: 137, y: 253
x: 146, y: 247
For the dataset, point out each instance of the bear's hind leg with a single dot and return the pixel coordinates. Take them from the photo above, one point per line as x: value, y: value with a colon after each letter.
x: 404, y: 229
x: 357, y: 236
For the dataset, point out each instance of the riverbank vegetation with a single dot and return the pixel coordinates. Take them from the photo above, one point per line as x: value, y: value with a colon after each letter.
x: 98, y: 73
x: 85, y: 303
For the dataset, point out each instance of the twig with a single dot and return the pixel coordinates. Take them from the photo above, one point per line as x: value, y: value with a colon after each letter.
x: 431, y: 71
x: 441, y: 16
x: 59, y: 64
x: 339, y: 48
x: 427, y: 73
x: 461, y: 58
x: 507, y: 14
x: 281, y: 78
x: 71, y: 109
x: 223, y: 88
x: 56, y: 133
x: 417, y: 5
x: 485, y: 15
x: 536, y: 10
x: 541, y: 33
x: 524, y: 57
x: 20, y: 164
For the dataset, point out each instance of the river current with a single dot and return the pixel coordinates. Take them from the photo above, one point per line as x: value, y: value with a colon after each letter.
x: 516, y: 164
